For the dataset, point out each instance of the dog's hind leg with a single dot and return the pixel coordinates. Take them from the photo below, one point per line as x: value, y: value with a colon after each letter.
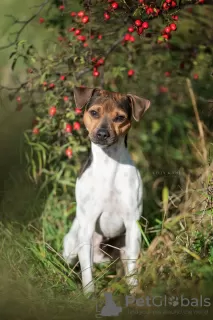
x: 70, y: 248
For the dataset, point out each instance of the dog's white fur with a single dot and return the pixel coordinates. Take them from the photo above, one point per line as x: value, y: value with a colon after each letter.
x: 109, y: 202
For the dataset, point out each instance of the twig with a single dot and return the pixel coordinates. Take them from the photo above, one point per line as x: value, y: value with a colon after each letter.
x: 109, y: 51
x: 25, y: 23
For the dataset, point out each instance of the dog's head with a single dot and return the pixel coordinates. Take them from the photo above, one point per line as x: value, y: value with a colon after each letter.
x: 108, y: 115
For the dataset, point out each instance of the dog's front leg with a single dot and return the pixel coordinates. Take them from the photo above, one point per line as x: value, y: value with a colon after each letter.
x: 85, y: 255
x: 132, y: 250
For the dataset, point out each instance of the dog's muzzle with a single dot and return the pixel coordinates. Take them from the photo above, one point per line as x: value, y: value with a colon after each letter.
x: 103, y: 137
x: 102, y: 134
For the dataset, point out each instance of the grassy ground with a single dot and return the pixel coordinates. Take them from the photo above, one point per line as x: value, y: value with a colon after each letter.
x: 35, y: 282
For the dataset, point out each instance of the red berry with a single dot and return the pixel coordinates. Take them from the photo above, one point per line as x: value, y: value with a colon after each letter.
x: 141, y: 1
x: 163, y: 89
x: 93, y: 59
x: 81, y: 13
x: 68, y: 153
x: 68, y: 128
x: 140, y: 30
x: 106, y: 16
x: 78, y: 111
x: 168, y: 1
x: 166, y: 36
x: 167, y: 30
x: 85, y: 44
x: 196, y: 76
x: 35, y: 130
x: 175, y: 18
x: 149, y: 10
x: 18, y: 99
x: 51, y: 85
x: 85, y: 19
x: 138, y: 23
x: 173, y: 26
x: 100, y: 62
x: 77, y: 32
x: 66, y: 98
x: 73, y: 14
x: 81, y: 38
x: 41, y: 20
x: 132, y: 39
x: 62, y: 78
x: 165, y: 6
x: 71, y: 29
x: 157, y: 11
x: 44, y: 83
x: 52, y: 111
x: 61, y: 8
x: 60, y: 38
x: 96, y: 73
x: 76, y: 126
x: 167, y: 74
x: 127, y: 37
x: 145, y: 25
x: 131, y: 72
x: 100, y: 36
x: 131, y: 29
x: 114, y: 5
x: 201, y: 1
x: 174, y: 4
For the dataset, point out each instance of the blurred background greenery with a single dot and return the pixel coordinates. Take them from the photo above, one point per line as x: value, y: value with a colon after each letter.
x: 168, y: 147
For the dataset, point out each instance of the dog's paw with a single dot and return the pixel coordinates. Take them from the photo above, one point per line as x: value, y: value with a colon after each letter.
x: 132, y: 281
x: 89, y: 290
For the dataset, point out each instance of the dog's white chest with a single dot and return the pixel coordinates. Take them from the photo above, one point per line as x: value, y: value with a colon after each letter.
x: 114, y: 189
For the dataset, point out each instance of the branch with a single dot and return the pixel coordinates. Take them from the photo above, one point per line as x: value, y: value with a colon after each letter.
x: 25, y: 23
x: 109, y: 51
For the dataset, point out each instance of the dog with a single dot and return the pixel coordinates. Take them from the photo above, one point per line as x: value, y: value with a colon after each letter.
x: 109, y: 189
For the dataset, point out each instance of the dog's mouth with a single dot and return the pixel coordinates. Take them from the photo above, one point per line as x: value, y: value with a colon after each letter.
x: 103, y: 142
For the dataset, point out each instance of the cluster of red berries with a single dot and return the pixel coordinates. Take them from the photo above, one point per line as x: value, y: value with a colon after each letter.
x: 141, y: 25
x: 81, y: 16
x: 113, y: 6
x: 97, y: 63
x: 169, y: 4
x: 166, y: 33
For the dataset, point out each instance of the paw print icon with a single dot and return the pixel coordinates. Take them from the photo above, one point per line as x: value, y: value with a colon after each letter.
x: 173, y: 301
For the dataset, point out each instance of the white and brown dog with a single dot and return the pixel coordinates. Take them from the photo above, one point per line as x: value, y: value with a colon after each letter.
x: 109, y: 190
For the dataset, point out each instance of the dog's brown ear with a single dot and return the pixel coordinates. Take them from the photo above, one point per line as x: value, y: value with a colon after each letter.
x: 139, y: 106
x: 82, y: 95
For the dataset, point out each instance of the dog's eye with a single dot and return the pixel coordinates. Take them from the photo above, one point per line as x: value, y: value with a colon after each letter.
x: 119, y: 119
x: 94, y: 113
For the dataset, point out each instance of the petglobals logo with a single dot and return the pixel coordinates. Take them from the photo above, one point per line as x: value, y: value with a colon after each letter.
x: 164, y: 301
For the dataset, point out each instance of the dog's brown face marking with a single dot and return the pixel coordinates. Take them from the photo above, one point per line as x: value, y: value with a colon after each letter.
x: 107, y: 116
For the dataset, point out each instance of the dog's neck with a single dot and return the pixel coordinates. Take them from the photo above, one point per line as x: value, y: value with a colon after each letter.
x: 116, y: 152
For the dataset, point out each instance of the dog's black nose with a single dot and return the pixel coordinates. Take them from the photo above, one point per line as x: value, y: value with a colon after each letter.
x: 103, y: 134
